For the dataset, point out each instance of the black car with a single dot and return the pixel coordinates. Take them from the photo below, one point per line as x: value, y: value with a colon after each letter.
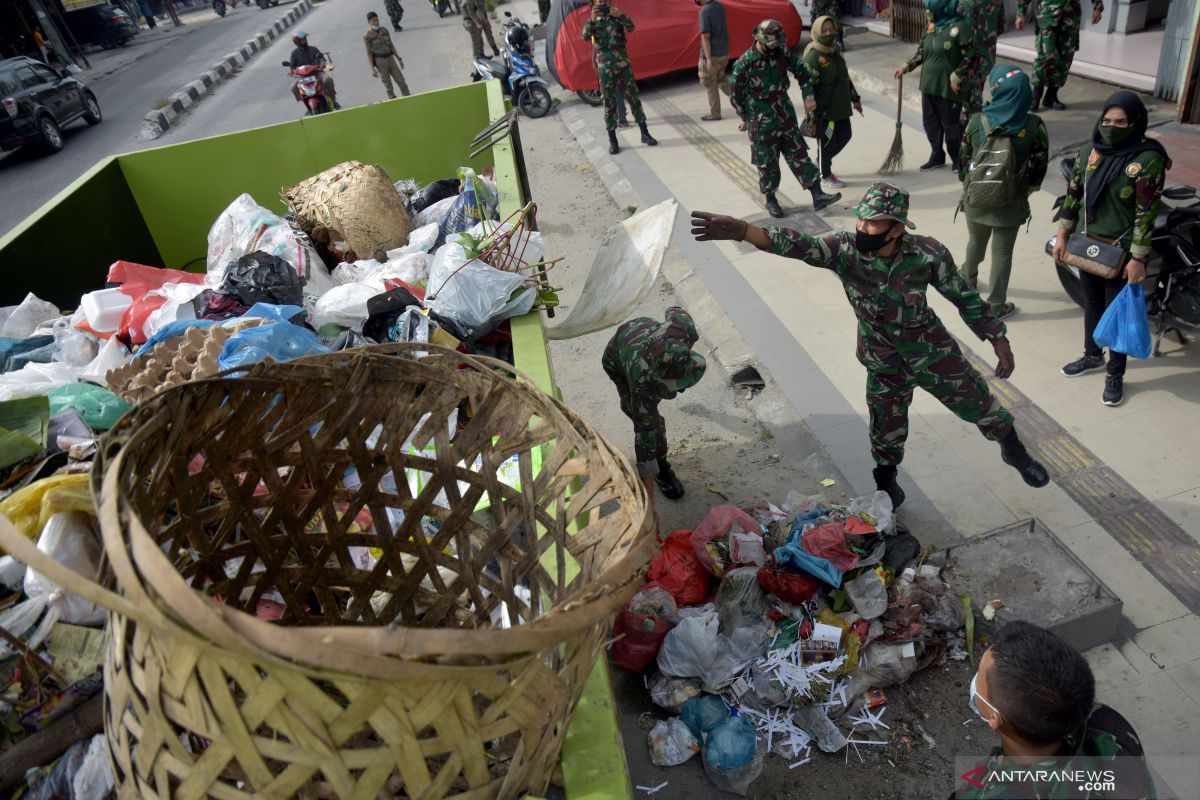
x: 105, y: 25
x: 36, y: 101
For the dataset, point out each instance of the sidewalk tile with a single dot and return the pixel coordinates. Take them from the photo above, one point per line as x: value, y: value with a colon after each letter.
x: 1171, y: 643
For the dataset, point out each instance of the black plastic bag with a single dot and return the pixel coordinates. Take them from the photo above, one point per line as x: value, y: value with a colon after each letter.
x: 260, y: 277
x: 431, y: 193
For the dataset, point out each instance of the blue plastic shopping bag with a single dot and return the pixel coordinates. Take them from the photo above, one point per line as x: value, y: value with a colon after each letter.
x: 1125, y: 327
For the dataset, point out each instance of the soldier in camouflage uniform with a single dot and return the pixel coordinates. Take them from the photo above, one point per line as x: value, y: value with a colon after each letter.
x: 1057, y: 40
x: 475, y: 20
x: 833, y: 10
x: 606, y: 30
x: 395, y: 13
x: 544, y: 10
x: 651, y: 361
x: 1038, y: 694
x: 760, y: 97
x: 886, y: 273
x: 989, y: 21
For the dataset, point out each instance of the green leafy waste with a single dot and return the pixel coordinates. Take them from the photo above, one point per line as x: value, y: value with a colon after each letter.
x: 24, y: 427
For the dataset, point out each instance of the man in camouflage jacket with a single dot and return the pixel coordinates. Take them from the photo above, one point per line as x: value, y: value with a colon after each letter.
x: 651, y: 361
x: 1057, y: 40
x: 395, y: 13
x: 606, y: 30
x: 988, y: 21
x: 885, y: 273
x: 760, y: 97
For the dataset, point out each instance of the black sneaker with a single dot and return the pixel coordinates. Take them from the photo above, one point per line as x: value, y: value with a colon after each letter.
x: 1114, y: 390
x: 1004, y: 311
x: 933, y: 164
x: 1081, y: 365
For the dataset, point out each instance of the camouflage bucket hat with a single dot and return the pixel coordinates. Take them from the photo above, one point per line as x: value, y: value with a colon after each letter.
x: 884, y: 201
x: 682, y: 368
x: 770, y: 33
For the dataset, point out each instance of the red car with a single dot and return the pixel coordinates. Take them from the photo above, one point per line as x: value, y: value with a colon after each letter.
x: 666, y: 38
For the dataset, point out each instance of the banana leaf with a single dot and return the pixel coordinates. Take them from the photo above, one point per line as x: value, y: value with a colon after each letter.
x: 24, y: 424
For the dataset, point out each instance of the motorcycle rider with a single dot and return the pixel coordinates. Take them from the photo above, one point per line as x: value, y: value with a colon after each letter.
x: 306, y: 55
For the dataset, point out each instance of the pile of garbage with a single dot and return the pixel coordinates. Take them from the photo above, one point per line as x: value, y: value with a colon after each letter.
x: 775, y: 630
x: 359, y: 261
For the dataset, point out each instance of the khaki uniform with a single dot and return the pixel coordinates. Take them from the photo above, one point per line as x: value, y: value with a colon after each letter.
x: 383, y: 57
x: 475, y: 20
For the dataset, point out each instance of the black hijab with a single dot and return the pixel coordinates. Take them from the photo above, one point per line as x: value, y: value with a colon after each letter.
x: 1114, y: 158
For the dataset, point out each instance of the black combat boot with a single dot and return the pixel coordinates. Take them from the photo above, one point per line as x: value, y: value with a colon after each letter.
x: 773, y: 206
x: 885, y: 481
x: 1037, y: 98
x: 1052, y: 101
x: 1013, y: 451
x: 671, y: 488
x: 822, y: 200
x: 613, y: 147
x: 646, y: 137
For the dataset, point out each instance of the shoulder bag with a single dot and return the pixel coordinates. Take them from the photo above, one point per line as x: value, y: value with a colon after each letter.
x: 1094, y: 255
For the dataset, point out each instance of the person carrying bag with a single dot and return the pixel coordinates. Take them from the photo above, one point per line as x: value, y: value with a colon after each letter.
x: 1116, y: 187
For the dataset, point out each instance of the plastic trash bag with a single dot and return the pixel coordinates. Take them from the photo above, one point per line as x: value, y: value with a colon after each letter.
x: 1124, y: 326
x: 828, y: 541
x: 471, y: 292
x: 435, y: 214
x: 677, y: 569
x: 711, y: 537
x: 704, y: 713
x: 70, y: 539
x: 868, y: 594
x: 791, y: 587
x: 75, y: 347
x: 412, y: 268
x: 345, y: 306
x: 671, y: 693
x: 793, y: 556
x: 696, y: 648
x: 641, y: 626
x: 410, y: 326
x: 82, y: 773
x: 478, y: 200
x: 734, y: 742
x: 671, y: 743
x: 353, y: 271
x: 112, y: 355
x: 30, y: 507
x: 623, y: 272
x: 740, y: 600
x: 880, y: 665
x: 875, y: 509
x: 27, y: 316
x: 433, y: 192
x: 747, y: 548
x: 813, y: 720
x: 34, y: 379
x: 260, y: 277
x: 12, y: 573
x: 15, y: 353
x: 280, y: 341
x: 100, y: 408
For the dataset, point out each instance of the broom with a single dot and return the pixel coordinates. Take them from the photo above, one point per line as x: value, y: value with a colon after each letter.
x: 895, y: 158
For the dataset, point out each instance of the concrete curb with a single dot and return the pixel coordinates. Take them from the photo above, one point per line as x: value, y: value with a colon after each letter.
x: 770, y: 406
x: 160, y: 120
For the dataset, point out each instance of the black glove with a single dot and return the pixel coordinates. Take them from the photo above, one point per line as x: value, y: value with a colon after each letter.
x: 708, y: 227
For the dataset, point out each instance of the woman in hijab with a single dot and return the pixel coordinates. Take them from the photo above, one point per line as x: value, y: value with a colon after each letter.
x: 834, y: 93
x: 1113, y: 196
x: 944, y: 54
x: 1005, y: 115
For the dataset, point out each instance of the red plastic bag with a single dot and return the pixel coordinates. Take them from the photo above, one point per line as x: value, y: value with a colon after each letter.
x: 134, y: 318
x: 678, y: 571
x: 150, y: 277
x: 641, y: 627
x: 790, y: 587
x: 828, y: 541
x: 711, y: 539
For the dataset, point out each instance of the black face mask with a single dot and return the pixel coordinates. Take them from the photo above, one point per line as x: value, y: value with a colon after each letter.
x: 870, y: 242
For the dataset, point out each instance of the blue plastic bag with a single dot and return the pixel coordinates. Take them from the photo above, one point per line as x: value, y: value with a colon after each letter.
x: 730, y: 745
x: 793, y: 556
x: 280, y: 341
x: 1125, y: 327
x: 702, y: 714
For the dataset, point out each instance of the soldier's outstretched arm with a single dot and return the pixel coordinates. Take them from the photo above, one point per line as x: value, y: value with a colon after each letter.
x: 819, y: 252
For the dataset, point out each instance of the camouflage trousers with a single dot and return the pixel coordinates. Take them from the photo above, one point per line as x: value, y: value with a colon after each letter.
x: 949, y: 378
x: 618, y: 75
x: 649, y: 427
x: 395, y: 11
x: 544, y: 9
x: 977, y: 75
x: 768, y: 143
x: 1056, y: 43
x: 477, y: 35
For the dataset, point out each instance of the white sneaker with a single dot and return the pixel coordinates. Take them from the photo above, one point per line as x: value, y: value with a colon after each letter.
x: 832, y: 181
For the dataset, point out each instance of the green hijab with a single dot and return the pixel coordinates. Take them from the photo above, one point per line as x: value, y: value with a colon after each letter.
x: 944, y: 11
x: 1008, y: 108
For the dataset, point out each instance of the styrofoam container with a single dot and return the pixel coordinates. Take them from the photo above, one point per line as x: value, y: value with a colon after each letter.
x: 104, y: 308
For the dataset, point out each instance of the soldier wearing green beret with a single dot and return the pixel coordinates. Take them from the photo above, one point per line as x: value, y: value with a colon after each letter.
x: 886, y: 272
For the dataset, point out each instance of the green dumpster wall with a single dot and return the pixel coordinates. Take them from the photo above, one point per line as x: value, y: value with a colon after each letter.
x: 155, y: 207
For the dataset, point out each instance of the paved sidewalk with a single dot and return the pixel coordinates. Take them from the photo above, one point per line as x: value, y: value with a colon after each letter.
x: 1126, y: 490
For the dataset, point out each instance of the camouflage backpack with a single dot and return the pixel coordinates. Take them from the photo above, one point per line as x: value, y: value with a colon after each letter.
x: 993, y: 174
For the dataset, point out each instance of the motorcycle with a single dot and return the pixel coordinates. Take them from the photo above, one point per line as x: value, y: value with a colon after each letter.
x: 444, y: 6
x: 311, y: 87
x: 265, y: 4
x: 221, y: 6
x: 1172, y: 285
x: 518, y: 73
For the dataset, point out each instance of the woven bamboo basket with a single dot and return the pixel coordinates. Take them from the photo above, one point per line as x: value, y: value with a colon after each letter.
x: 386, y: 673
x: 354, y: 203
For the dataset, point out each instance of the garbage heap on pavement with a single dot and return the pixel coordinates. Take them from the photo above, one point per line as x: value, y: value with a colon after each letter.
x: 775, y: 631
x: 358, y: 261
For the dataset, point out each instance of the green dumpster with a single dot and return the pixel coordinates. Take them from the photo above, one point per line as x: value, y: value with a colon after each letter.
x: 156, y: 206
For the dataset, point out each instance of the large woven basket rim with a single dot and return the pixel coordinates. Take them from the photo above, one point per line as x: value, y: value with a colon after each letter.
x: 147, y: 576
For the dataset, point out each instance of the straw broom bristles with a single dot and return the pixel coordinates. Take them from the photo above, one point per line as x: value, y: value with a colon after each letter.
x: 895, y: 158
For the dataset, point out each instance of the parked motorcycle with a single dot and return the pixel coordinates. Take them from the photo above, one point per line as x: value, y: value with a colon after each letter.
x: 1172, y: 285
x: 518, y: 73
x: 221, y: 6
x: 311, y: 87
x: 265, y: 4
x: 442, y: 7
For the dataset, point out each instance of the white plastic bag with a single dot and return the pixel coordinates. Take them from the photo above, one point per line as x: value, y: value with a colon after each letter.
x: 26, y: 317
x: 435, y: 214
x: 623, y: 272
x: 354, y: 271
x: 112, y: 355
x: 671, y: 743
x: 12, y: 573
x: 471, y: 292
x: 868, y: 594
x: 747, y: 548
x: 695, y: 649
x: 75, y: 347
x: 70, y: 539
x: 410, y: 268
x: 344, y: 305
x: 34, y: 379
x: 671, y: 693
x: 178, y: 305
x: 876, y: 506
x: 95, y: 779
x: 420, y: 240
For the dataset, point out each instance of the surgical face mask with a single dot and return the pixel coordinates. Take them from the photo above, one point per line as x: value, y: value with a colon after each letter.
x: 374, y: 26
x: 975, y: 695
x: 869, y: 242
x: 1114, y: 135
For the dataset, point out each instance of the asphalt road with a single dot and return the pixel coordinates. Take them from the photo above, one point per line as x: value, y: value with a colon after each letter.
x: 28, y: 179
